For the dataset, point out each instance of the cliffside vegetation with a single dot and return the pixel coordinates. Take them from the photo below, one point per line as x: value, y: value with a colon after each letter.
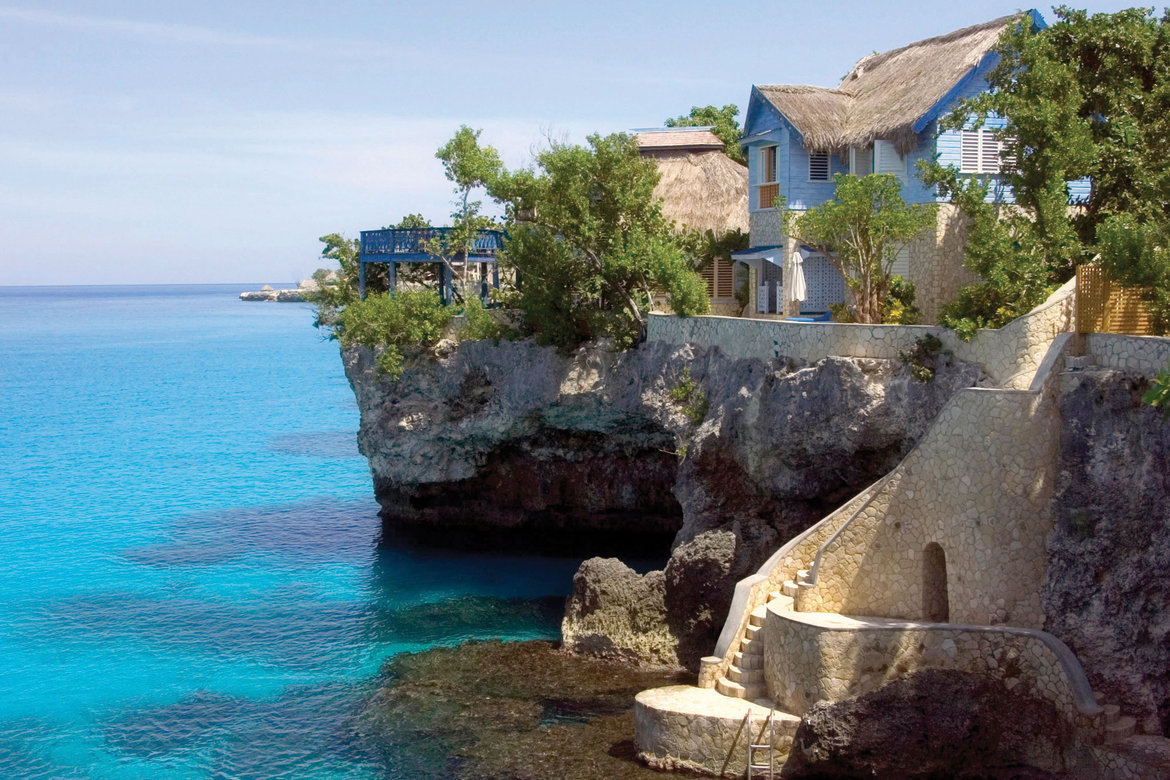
x: 1088, y: 96
x: 587, y: 251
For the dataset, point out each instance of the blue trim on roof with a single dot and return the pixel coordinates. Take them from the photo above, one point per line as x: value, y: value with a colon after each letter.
x: 989, y: 61
x: 756, y: 104
x: 755, y: 250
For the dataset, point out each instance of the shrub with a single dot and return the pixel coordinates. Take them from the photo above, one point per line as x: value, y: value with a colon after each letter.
x: 922, y: 358
x: 898, y: 306
x: 691, y: 400
x: 409, y: 318
x: 479, y: 324
x: 1158, y: 396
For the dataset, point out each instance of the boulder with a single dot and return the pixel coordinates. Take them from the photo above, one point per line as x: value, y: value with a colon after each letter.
x: 933, y: 724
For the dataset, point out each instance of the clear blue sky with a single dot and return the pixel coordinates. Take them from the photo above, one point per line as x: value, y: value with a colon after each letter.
x: 146, y: 142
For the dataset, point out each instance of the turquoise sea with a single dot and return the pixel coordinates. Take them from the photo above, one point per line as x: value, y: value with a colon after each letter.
x: 191, y: 583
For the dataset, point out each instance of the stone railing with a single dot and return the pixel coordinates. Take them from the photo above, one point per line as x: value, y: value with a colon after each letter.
x: 1141, y: 354
x: 841, y: 657
x: 1008, y: 355
x: 752, y: 592
x: 985, y: 507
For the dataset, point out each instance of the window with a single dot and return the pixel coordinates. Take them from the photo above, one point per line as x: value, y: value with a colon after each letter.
x: 818, y: 166
x: 979, y: 152
x: 720, y: 278
x: 769, y: 189
x: 887, y: 160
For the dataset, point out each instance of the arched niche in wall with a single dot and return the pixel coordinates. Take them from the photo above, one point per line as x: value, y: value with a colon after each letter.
x: 935, y: 603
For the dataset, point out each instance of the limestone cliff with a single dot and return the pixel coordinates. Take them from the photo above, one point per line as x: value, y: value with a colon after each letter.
x: 1108, y: 589
x: 718, y: 460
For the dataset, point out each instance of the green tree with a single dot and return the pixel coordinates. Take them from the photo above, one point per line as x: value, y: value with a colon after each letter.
x: 861, y: 231
x: 469, y: 166
x: 588, y: 242
x: 1088, y: 96
x: 1003, y: 247
x: 724, y: 122
x: 411, y: 221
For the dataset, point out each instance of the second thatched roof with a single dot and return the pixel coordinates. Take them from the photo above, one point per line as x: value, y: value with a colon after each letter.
x: 701, y: 188
x: 885, y: 94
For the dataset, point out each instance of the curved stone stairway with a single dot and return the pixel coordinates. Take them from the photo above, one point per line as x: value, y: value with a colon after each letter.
x: 801, y: 598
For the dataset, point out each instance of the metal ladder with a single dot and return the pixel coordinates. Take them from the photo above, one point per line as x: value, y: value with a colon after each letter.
x: 754, y: 748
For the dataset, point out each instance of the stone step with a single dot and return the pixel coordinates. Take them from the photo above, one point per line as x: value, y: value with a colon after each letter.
x: 745, y: 676
x: 802, y: 577
x: 1112, y: 712
x: 789, y: 588
x: 752, y: 632
x: 1149, y: 750
x: 774, y: 595
x: 738, y: 691
x: 1120, y: 730
x: 748, y: 647
x: 758, y: 616
x: 749, y: 661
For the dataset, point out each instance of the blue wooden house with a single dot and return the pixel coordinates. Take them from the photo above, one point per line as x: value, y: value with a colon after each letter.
x: 883, y: 118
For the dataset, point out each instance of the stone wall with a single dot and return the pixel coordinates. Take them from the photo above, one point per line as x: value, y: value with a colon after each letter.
x: 936, y: 262
x: 725, y: 309
x: 1008, y: 355
x: 765, y: 227
x: 1140, y: 354
x: 978, y: 486
x: 816, y: 657
x: 692, y: 729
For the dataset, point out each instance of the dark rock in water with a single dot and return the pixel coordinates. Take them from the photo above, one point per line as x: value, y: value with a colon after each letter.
x: 700, y: 580
x: 1107, y: 593
x: 616, y: 613
x: 932, y: 725
x: 496, y: 711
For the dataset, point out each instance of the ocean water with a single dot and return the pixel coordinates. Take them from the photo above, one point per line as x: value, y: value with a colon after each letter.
x: 191, y: 583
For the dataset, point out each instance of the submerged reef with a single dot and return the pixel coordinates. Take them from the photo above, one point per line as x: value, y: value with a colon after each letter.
x: 503, y: 710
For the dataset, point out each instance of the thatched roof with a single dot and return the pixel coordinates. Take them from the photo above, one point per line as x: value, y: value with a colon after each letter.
x: 885, y: 94
x: 700, y: 187
x: 677, y: 138
x: 818, y: 113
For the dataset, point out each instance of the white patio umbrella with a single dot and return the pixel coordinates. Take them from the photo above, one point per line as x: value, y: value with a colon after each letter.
x: 797, y: 290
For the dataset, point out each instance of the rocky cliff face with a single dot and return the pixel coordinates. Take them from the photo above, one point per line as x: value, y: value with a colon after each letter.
x: 662, y: 447
x: 1108, y: 589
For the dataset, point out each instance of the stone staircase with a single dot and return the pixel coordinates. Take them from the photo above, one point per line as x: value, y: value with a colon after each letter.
x: 1118, y: 727
x: 745, y: 677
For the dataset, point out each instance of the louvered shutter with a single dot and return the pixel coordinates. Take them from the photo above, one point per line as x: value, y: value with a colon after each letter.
x: 887, y: 160
x: 818, y: 166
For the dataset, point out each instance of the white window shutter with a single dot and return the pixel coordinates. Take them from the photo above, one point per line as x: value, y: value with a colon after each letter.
x: 901, y: 265
x: 989, y: 154
x: 887, y: 160
x: 969, y: 152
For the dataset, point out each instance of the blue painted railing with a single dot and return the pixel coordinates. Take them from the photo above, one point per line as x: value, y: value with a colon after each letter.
x: 410, y: 244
